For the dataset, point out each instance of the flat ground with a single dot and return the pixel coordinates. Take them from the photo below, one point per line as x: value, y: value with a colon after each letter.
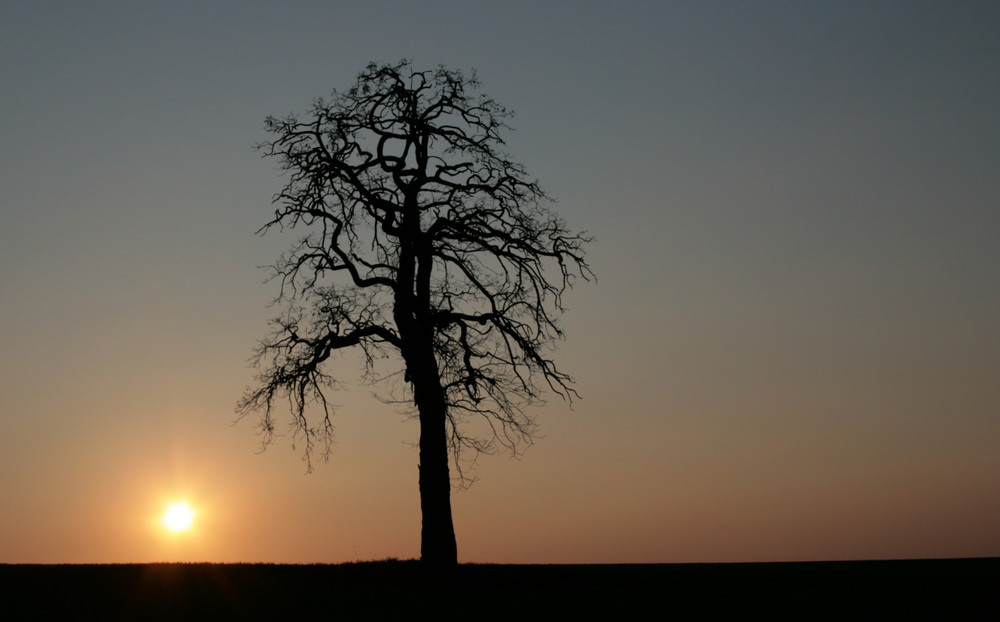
x: 960, y: 588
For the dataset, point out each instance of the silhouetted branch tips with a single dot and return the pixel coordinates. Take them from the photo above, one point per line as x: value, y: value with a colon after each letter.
x: 422, y: 238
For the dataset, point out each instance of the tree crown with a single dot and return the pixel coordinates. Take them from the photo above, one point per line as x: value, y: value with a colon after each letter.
x: 422, y: 235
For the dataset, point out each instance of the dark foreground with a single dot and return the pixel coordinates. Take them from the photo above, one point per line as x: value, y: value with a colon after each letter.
x: 961, y: 589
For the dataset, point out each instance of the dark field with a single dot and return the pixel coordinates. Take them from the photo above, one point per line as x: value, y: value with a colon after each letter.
x: 960, y: 589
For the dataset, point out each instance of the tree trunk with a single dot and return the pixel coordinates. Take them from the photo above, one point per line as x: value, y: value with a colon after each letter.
x: 437, y: 537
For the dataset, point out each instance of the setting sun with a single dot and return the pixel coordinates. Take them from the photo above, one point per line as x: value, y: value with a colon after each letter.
x: 178, y: 517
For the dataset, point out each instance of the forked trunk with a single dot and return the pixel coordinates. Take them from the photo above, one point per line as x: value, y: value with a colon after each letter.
x: 413, y: 315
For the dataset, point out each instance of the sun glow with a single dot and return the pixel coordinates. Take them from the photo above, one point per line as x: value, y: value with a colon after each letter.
x: 178, y: 517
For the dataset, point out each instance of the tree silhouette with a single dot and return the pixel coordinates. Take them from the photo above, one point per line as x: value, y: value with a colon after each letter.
x: 426, y: 242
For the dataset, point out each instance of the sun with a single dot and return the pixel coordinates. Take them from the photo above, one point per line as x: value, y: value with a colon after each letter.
x: 178, y: 517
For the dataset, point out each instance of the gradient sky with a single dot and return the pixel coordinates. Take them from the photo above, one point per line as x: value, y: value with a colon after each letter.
x: 792, y: 351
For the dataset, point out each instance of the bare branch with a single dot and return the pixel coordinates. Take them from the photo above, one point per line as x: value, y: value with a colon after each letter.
x: 425, y: 238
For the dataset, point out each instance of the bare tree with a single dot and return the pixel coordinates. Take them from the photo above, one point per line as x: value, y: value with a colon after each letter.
x: 423, y: 240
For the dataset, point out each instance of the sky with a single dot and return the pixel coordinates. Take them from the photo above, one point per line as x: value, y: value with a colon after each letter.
x: 791, y: 352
